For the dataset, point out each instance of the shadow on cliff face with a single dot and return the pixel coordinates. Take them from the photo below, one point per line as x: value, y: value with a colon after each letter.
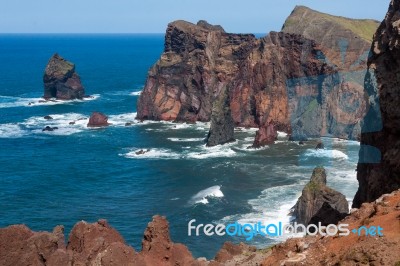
x: 343, y: 104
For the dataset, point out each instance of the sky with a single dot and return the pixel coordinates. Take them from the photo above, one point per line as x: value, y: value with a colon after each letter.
x: 152, y: 16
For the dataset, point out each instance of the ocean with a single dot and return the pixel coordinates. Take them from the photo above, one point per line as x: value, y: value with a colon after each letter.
x: 75, y: 173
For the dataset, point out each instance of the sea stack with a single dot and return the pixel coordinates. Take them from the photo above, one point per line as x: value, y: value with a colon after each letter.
x: 265, y: 135
x: 319, y: 203
x: 222, y: 125
x: 61, y: 81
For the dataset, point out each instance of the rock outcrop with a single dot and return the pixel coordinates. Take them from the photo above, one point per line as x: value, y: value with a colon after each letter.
x: 353, y: 249
x: 379, y: 162
x: 285, y: 78
x: 98, y: 119
x: 61, y: 81
x: 265, y: 135
x: 345, y: 42
x: 222, y: 126
x: 319, y: 203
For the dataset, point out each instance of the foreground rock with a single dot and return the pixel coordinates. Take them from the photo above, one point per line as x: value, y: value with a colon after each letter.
x: 98, y: 119
x: 61, y: 81
x: 319, y: 203
x: 379, y: 162
x: 222, y: 125
x: 352, y: 249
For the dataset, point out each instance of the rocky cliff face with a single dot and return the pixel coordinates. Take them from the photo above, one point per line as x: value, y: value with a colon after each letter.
x: 383, y: 83
x: 284, y: 78
x: 345, y: 42
x: 319, y: 203
x: 61, y: 81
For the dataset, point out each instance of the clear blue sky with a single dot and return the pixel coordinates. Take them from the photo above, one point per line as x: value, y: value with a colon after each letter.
x: 152, y: 16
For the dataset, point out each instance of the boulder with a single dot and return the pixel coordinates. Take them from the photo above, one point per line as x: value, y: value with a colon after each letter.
x: 47, y: 117
x: 61, y: 81
x: 319, y: 203
x: 98, y: 119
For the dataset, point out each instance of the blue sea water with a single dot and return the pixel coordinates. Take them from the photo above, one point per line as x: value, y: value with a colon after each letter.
x: 76, y: 173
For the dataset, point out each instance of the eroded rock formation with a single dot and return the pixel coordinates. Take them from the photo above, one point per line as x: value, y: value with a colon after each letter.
x: 319, y: 203
x: 61, y: 81
x: 379, y: 162
x: 222, y: 125
x: 284, y: 78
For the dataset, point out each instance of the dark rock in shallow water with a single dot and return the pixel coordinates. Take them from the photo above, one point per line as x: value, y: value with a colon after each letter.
x: 48, y: 128
x: 72, y: 123
x: 265, y: 135
x: 47, y: 117
x: 320, y: 145
x: 319, y: 203
x: 61, y: 81
x: 301, y: 142
x: 379, y: 158
x: 222, y: 125
x: 98, y: 119
x: 128, y: 124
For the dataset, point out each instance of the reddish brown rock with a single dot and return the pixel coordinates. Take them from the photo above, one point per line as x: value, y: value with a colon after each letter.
x: 265, y: 135
x: 21, y: 246
x: 61, y: 81
x: 282, y: 77
x: 158, y: 249
x: 98, y: 119
x: 92, y: 242
x: 379, y: 163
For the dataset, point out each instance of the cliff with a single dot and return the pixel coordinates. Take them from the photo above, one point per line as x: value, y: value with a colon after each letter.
x: 379, y: 164
x: 343, y: 40
x: 282, y: 78
x: 61, y: 80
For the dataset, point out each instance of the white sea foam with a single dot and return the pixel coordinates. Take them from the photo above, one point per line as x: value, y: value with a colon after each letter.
x: 152, y: 154
x: 9, y: 101
x: 203, y: 195
x: 282, y: 134
x: 213, y: 152
x: 136, y: 93
x: 122, y: 119
x: 336, y: 154
x: 11, y: 131
x: 186, y: 139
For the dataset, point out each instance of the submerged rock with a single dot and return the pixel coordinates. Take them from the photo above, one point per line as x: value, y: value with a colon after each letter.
x: 47, y: 117
x: 319, y: 203
x: 61, y: 81
x: 319, y: 146
x: 222, y: 126
x: 98, y: 119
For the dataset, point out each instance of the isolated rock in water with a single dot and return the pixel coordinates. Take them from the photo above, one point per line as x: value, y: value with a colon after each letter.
x: 222, y: 126
x: 48, y: 128
x: 378, y: 170
x: 265, y: 135
x: 61, y: 81
x: 47, y: 117
x: 319, y: 203
x: 98, y: 119
x: 319, y: 146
